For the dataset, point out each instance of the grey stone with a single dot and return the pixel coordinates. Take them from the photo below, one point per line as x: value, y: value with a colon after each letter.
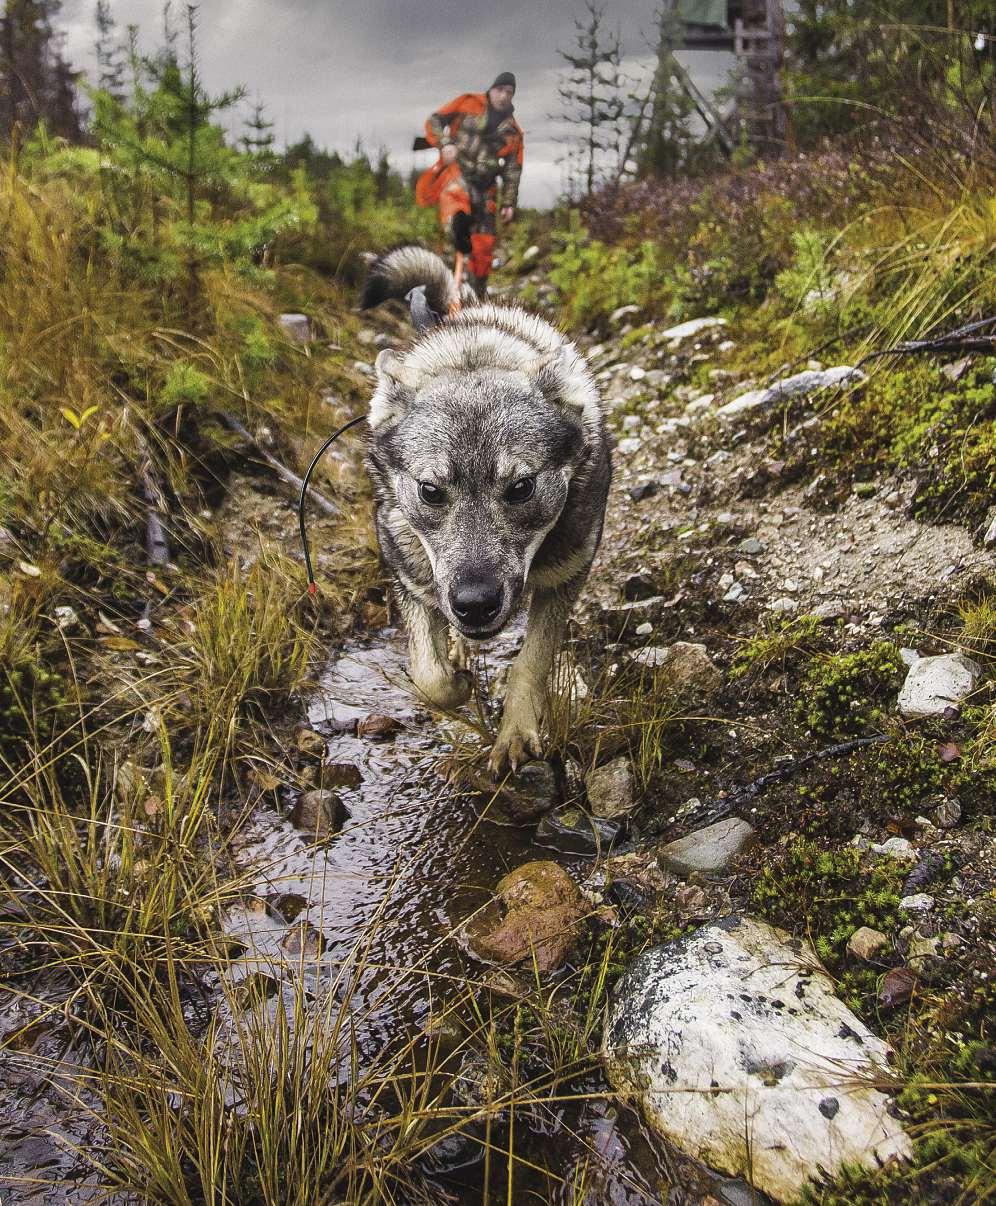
x: 935, y: 684
x: 919, y: 902
x: 611, y: 791
x: 896, y: 847
x: 798, y: 386
x: 989, y: 538
x: 709, y: 851
x: 297, y: 327
x: 532, y: 791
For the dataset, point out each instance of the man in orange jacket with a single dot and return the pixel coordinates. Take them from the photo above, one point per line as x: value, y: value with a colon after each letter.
x: 479, y: 141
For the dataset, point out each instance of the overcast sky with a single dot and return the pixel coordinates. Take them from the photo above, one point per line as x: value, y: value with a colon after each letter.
x: 377, y: 68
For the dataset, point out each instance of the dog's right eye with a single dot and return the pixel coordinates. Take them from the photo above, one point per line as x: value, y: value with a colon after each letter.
x: 433, y: 495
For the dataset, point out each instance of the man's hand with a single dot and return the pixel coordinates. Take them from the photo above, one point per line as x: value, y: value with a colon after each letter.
x: 507, y: 213
x: 448, y: 154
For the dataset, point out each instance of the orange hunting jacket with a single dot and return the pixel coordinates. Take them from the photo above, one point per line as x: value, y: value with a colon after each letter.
x: 480, y: 158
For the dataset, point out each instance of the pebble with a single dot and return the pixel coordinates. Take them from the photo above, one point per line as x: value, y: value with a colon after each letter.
x: 751, y: 546
x: 66, y: 618
x: 919, y: 902
x: 989, y: 539
x: 948, y: 813
x: 866, y: 943
x: 629, y: 445
x: 642, y: 490
x: 896, y: 847
x: 632, y: 423
x: 645, y: 629
x: 636, y: 373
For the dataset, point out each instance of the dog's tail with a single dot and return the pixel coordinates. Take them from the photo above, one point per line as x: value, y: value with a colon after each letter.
x: 407, y: 268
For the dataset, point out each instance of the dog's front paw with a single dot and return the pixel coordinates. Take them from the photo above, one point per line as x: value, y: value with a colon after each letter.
x: 518, y: 738
x: 446, y: 691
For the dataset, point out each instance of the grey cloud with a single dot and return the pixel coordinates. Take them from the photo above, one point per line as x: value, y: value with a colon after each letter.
x: 377, y: 68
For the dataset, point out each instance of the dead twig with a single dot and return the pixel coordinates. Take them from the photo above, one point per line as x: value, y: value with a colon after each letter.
x: 280, y: 469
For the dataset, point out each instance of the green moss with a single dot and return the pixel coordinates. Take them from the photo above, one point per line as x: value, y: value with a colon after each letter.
x: 828, y: 895
x: 915, y: 420
x: 845, y: 694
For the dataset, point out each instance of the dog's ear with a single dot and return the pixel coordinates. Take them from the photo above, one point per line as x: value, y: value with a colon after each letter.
x: 563, y: 379
x: 393, y: 394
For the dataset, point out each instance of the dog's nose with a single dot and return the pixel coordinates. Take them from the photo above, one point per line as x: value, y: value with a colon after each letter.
x: 476, y: 601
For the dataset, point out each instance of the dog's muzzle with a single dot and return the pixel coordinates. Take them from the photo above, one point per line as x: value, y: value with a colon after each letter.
x: 476, y: 604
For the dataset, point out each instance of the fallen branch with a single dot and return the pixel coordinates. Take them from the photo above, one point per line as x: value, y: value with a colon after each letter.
x: 715, y: 810
x: 278, y: 467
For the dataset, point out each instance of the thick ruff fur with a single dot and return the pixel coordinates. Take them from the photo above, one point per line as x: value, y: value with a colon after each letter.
x: 491, y: 467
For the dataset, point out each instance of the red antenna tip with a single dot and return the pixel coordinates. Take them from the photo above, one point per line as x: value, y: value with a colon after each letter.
x: 312, y: 588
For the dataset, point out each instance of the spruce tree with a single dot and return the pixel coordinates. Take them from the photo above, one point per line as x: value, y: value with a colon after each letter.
x: 597, y: 99
x: 36, y: 82
x: 258, y: 138
x: 109, y: 52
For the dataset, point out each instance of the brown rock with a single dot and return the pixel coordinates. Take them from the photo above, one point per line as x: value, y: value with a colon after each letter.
x: 867, y: 944
x: 309, y: 742
x: 380, y: 728
x: 534, y: 918
x: 319, y: 813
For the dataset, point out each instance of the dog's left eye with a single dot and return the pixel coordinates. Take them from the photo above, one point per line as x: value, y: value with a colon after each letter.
x: 521, y: 491
x: 431, y: 494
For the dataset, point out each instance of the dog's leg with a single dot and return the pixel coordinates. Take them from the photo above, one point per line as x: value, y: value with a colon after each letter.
x: 525, y: 698
x: 428, y: 639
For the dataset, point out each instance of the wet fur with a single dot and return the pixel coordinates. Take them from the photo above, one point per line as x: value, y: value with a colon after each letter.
x: 489, y: 393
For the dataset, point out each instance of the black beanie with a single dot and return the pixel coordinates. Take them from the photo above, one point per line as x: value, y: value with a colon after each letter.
x: 503, y: 78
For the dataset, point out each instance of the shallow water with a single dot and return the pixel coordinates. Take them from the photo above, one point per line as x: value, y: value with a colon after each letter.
x: 383, y: 898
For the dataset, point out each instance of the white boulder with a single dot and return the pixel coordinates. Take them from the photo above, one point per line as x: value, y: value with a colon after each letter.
x: 694, y: 326
x: 808, y: 382
x: 740, y: 1054
x: 936, y: 683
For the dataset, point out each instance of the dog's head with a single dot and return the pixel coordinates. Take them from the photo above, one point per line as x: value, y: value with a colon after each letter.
x: 477, y: 463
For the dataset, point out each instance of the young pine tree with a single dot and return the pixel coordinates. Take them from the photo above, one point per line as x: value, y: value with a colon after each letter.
x: 597, y: 100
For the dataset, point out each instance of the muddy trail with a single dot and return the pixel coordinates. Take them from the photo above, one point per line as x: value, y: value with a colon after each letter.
x: 361, y: 890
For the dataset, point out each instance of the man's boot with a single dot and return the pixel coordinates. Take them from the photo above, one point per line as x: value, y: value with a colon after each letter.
x: 479, y: 284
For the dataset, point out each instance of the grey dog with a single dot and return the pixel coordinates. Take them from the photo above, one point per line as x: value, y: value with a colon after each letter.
x: 491, y: 467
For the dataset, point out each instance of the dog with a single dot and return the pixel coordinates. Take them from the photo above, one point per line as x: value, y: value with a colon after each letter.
x: 491, y: 467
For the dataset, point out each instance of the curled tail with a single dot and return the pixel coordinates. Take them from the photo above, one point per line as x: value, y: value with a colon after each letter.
x: 404, y: 269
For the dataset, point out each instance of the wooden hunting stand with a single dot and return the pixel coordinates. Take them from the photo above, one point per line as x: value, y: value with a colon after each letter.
x: 755, y: 32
